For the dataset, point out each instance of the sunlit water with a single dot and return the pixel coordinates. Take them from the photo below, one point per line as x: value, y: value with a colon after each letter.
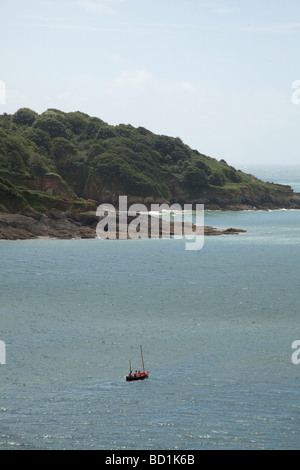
x: 216, y: 327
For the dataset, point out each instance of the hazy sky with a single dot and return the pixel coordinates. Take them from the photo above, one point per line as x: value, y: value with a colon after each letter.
x: 217, y: 74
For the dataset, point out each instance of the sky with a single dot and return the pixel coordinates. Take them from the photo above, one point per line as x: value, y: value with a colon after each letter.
x: 224, y: 76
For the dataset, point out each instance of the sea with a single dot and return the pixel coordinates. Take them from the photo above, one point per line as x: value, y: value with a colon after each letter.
x: 218, y: 327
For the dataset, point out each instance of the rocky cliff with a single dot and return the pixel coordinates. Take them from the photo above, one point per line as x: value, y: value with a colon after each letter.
x: 67, y: 225
x: 71, y: 162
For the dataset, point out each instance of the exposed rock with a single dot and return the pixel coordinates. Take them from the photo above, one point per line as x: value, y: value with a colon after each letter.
x: 66, y: 225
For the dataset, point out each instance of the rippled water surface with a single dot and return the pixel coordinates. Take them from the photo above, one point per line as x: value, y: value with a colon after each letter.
x: 216, y: 327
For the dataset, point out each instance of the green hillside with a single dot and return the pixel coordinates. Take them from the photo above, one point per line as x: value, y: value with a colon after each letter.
x: 74, y: 161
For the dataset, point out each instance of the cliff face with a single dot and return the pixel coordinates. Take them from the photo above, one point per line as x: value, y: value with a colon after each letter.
x: 71, y: 161
x: 22, y: 194
x: 266, y: 197
x: 241, y: 197
x: 52, y: 185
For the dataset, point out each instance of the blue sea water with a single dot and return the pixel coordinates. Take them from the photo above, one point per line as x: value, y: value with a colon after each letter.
x: 216, y: 325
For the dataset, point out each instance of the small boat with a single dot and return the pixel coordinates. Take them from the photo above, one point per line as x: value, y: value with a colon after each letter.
x: 138, y: 375
x: 142, y: 376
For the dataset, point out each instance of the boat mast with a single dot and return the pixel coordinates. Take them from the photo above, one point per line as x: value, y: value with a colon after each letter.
x: 142, y: 358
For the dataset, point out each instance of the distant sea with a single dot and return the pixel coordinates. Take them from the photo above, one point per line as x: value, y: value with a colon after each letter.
x: 216, y: 326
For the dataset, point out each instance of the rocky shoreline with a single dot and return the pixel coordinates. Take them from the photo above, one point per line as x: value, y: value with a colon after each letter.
x: 68, y: 225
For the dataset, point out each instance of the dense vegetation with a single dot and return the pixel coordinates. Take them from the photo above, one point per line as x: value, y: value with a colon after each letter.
x: 61, y: 160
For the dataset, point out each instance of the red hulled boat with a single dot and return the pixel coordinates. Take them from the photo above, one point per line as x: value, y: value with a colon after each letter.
x: 137, y: 375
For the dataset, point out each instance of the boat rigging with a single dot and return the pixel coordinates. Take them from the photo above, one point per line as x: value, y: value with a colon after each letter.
x: 137, y: 375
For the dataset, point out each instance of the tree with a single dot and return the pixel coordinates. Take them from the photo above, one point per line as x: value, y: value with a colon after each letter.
x: 217, y: 179
x: 199, y: 163
x: 16, y: 162
x: 16, y: 151
x: 25, y: 117
x: 77, y: 122
x: 195, y: 180
x: 39, y: 137
x: 63, y: 150
x: 37, y: 164
x: 232, y: 174
x: 106, y: 132
x: 51, y: 125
